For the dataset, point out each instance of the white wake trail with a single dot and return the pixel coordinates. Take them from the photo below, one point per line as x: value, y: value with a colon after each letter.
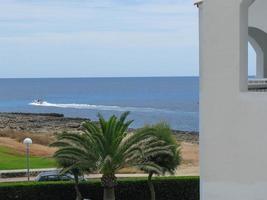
x: 99, y: 107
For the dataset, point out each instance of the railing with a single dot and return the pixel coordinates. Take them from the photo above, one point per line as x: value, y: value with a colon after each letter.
x: 257, y: 84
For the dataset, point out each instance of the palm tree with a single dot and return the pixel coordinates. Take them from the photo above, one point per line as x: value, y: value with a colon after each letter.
x: 67, y: 162
x: 167, y: 162
x: 76, y: 172
x: 117, y: 149
x: 109, y: 147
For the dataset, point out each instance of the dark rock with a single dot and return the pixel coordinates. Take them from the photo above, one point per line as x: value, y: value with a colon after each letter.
x: 39, y: 122
x: 56, y: 123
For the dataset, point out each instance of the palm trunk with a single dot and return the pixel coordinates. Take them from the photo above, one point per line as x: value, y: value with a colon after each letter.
x: 76, y: 186
x: 109, y: 194
x: 108, y: 182
x: 151, y: 187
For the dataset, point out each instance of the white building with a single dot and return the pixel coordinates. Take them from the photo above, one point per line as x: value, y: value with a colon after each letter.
x: 233, y: 120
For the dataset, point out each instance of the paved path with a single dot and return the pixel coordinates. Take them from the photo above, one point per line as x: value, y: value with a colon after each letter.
x: 181, y: 172
x: 91, y: 176
x: 24, y: 170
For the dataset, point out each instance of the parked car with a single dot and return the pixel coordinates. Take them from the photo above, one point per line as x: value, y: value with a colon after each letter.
x: 55, y: 176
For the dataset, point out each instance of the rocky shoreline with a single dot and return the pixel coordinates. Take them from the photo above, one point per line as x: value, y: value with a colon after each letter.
x: 39, y: 122
x: 56, y: 123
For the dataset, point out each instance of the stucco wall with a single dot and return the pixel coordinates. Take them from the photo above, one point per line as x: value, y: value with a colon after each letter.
x: 257, y: 15
x: 233, y: 126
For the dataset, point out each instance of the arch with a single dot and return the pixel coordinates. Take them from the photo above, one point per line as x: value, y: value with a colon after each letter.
x: 258, y: 40
x: 255, y: 60
x: 259, y: 57
x: 247, y: 2
x: 243, y: 39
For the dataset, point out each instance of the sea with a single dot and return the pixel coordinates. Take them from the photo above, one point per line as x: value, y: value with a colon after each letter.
x: 173, y: 100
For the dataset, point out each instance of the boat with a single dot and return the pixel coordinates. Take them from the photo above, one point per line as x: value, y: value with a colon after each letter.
x: 38, y: 101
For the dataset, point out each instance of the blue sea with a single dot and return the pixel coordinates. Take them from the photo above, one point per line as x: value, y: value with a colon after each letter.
x: 150, y: 100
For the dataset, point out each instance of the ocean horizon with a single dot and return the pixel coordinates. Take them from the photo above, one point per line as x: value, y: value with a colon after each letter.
x: 149, y: 99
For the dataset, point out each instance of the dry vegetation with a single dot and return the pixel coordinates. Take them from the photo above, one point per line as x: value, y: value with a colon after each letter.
x: 38, y: 138
x: 190, y: 153
x: 190, y: 163
x: 13, y: 139
x: 39, y: 147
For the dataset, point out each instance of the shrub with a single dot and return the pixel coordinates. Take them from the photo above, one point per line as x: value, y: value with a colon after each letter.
x: 171, y: 188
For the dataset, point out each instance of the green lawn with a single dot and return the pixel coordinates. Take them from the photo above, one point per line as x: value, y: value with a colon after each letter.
x: 10, y: 160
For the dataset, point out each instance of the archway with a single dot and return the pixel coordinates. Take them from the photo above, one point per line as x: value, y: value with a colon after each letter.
x: 258, y: 40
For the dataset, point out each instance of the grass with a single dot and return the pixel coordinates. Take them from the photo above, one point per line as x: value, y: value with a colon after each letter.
x: 13, y: 160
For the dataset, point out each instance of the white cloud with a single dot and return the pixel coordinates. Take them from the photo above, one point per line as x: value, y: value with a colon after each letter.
x: 107, y: 22
x: 32, y: 29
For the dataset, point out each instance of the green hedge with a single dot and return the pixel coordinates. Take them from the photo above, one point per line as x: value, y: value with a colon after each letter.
x: 171, y: 188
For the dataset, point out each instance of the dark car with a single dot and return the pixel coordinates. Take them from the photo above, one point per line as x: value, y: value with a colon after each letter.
x: 54, y: 176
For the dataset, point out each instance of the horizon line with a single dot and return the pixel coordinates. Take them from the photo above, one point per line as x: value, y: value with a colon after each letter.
x: 98, y: 77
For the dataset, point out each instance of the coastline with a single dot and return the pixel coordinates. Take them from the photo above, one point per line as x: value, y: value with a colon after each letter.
x: 42, y: 128
x: 41, y: 123
x: 38, y: 122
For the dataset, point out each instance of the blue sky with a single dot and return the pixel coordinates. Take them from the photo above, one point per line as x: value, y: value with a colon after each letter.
x: 96, y: 38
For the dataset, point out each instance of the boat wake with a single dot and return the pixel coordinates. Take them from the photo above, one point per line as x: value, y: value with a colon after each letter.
x: 99, y: 107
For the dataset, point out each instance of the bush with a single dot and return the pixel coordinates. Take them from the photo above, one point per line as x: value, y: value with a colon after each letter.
x: 171, y: 188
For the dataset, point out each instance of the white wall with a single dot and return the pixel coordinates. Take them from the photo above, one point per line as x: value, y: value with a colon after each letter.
x: 257, y: 15
x: 233, y: 121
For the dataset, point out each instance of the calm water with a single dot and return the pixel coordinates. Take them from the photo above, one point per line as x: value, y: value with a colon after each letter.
x: 174, y: 100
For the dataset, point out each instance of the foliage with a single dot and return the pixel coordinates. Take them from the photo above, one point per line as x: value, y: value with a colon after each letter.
x: 171, y: 188
x: 108, y: 148
x: 69, y: 164
x: 168, y: 162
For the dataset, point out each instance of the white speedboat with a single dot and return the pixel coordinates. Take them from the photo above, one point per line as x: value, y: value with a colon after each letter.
x: 38, y: 101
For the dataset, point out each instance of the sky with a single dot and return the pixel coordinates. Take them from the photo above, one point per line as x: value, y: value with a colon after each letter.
x: 98, y: 38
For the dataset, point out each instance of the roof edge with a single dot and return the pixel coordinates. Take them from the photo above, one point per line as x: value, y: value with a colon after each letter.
x: 198, y: 2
